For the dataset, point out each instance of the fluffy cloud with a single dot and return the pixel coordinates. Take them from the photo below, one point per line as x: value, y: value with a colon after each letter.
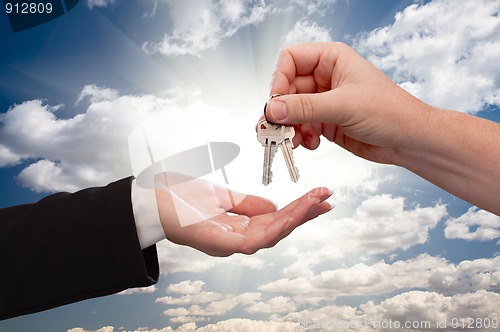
x: 230, y: 325
x: 467, y: 276
x: 248, y: 325
x: 305, y: 31
x: 92, y: 148
x: 192, y: 293
x: 443, y: 53
x: 317, y: 7
x: 139, y: 290
x: 99, y: 3
x: 215, y: 308
x: 102, y: 329
x: 418, y: 306
x: 174, y: 258
x: 201, y: 25
x: 7, y: 157
x: 196, y: 302
x: 73, y: 153
x: 435, y: 274
x: 202, y: 297
x: 278, y: 304
x: 186, y: 287
x: 380, y: 224
x: 417, y: 310
x: 475, y: 224
x: 382, y: 278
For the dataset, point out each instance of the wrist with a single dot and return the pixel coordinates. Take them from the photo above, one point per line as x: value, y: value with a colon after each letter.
x: 419, y: 138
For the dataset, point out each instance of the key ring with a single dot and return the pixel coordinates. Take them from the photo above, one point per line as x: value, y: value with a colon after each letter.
x: 265, y: 106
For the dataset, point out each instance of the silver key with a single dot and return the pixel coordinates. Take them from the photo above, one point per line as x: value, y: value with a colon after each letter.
x: 270, y: 148
x: 287, y: 150
x: 271, y: 136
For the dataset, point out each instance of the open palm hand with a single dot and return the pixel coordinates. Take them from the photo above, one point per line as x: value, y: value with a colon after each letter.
x: 221, y: 222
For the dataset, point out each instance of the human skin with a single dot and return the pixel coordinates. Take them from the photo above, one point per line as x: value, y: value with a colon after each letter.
x: 220, y: 222
x: 330, y: 90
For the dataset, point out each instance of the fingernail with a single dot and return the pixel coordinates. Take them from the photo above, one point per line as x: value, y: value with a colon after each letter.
x: 278, y: 110
x: 331, y: 202
x: 308, y: 140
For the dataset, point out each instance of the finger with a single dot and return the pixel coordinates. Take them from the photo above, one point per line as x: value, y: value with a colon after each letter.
x: 303, y: 60
x: 297, y: 138
x: 326, y: 107
x: 320, y: 209
x: 288, y: 218
x: 253, y: 206
x: 306, y: 207
x: 304, y: 203
x: 310, y: 135
x: 299, y: 207
x: 304, y: 84
x: 296, y: 60
x: 329, y: 131
x: 284, y: 73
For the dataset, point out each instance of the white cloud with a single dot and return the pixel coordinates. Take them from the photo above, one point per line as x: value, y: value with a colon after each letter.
x: 99, y: 3
x: 418, y: 306
x: 196, y: 302
x: 443, y: 53
x: 414, y: 310
x: 201, y: 297
x: 215, y: 308
x: 467, y: 276
x: 174, y: 258
x: 92, y: 148
x: 257, y: 261
x: 475, y: 224
x: 278, y: 304
x: 72, y: 153
x: 305, y: 31
x: 186, y: 287
x: 7, y: 157
x: 314, y: 7
x: 248, y: 325
x: 97, y: 94
x: 191, y: 292
x: 139, y: 290
x: 382, y: 278
x: 380, y: 224
x: 187, y: 319
x: 102, y: 329
x: 200, y: 25
x: 229, y: 325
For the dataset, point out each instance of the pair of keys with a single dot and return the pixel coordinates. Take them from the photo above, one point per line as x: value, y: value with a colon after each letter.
x: 272, y: 136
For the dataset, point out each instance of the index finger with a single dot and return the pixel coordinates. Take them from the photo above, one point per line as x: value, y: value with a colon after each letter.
x: 292, y: 62
x: 307, y: 68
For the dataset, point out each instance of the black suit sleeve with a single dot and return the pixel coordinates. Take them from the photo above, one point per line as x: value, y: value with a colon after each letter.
x: 70, y: 247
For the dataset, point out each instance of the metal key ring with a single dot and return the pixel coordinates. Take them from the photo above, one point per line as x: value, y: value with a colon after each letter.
x: 267, y: 103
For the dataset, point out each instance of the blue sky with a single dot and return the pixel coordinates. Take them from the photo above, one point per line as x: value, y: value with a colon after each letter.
x: 395, y: 248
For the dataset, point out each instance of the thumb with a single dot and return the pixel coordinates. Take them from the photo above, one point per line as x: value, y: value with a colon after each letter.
x: 324, y: 107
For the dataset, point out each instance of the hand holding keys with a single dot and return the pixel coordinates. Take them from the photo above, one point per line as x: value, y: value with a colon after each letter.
x: 271, y: 136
